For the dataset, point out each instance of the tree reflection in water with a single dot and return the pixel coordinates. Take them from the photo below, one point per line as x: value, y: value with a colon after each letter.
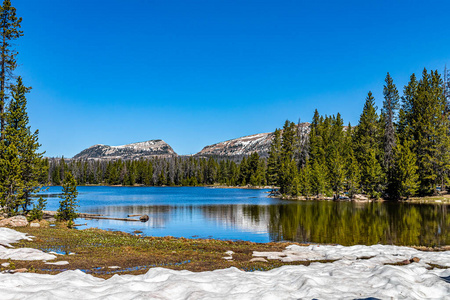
x: 351, y: 223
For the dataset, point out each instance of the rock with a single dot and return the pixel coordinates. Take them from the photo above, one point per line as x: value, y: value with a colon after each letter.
x: 144, y: 218
x: 405, y: 262
x: 22, y: 270
x: 16, y: 221
x: 35, y: 224
x: 260, y: 259
x: 360, y: 197
x: 5, y: 265
x: 114, y: 267
x: 414, y: 259
x: 58, y: 263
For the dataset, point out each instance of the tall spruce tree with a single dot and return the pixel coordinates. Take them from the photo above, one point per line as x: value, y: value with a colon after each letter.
x: 389, y: 112
x: 406, y: 178
x: 429, y: 129
x: 273, y: 161
x: 20, y: 141
x: 9, y: 31
x: 367, y: 151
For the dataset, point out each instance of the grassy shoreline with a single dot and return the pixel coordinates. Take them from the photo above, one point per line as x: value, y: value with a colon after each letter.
x: 105, y: 253
x: 97, y: 250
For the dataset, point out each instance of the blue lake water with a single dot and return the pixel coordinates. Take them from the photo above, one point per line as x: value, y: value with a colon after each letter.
x: 242, y: 214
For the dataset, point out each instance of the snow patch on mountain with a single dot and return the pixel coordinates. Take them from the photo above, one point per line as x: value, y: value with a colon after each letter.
x: 146, y: 149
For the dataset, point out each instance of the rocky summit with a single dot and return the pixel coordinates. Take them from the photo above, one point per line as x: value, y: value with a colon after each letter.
x: 146, y: 149
x: 240, y: 147
x: 244, y: 146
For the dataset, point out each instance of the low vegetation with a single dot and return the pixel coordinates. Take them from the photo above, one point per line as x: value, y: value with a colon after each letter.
x: 95, y: 251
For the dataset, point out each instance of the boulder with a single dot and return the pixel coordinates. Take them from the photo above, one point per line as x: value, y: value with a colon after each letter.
x: 144, y: 218
x: 16, y: 221
x: 35, y: 224
x: 414, y: 259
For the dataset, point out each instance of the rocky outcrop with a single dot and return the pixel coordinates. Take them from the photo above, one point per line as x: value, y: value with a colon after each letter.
x: 16, y: 221
x: 240, y: 147
x: 146, y: 149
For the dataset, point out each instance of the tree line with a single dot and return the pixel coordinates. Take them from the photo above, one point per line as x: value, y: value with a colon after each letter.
x: 175, y: 171
x: 402, y: 151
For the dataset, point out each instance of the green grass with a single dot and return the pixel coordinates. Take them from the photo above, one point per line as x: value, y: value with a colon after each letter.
x: 96, y: 250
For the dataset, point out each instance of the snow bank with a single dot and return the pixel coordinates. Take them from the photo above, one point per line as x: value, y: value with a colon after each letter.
x: 380, y: 254
x: 324, y: 281
x: 9, y: 236
x: 352, y: 275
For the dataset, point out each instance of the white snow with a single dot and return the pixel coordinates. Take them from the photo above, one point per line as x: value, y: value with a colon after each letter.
x: 381, y: 254
x: 349, y: 277
x: 9, y: 236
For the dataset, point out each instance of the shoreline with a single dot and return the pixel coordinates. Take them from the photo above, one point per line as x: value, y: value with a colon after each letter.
x: 440, y: 199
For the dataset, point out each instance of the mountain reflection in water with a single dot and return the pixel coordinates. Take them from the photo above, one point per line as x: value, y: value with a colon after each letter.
x: 250, y: 215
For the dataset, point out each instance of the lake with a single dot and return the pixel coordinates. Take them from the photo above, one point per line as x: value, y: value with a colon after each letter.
x: 242, y: 214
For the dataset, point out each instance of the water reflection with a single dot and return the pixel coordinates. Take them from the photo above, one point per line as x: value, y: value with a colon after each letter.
x: 250, y: 215
x: 316, y: 222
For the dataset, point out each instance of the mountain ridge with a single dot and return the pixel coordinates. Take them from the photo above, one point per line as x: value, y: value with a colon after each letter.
x: 232, y: 148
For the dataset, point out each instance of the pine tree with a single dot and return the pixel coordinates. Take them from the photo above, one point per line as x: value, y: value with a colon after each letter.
x: 367, y: 152
x: 12, y: 186
x: 406, y: 176
x: 21, y: 142
x: 335, y: 158
x: 273, y: 161
x: 9, y: 31
x: 17, y: 131
x: 388, y: 112
x: 409, y: 97
x: 67, y: 210
x: 429, y: 128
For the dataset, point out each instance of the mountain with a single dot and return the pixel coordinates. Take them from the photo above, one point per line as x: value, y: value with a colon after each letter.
x: 246, y: 145
x: 146, y: 149
x: 239, y: 147
x: 232, y: 149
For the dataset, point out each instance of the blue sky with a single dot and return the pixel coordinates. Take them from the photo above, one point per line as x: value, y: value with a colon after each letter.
x: 194, y: 73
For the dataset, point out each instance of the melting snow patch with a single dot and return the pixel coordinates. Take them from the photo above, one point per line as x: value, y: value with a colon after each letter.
x: 9, y: 236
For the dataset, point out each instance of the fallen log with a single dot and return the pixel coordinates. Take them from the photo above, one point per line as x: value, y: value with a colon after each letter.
x: 109, y: 218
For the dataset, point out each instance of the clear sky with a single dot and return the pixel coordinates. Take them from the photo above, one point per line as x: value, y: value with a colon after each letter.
x: 194, y: 73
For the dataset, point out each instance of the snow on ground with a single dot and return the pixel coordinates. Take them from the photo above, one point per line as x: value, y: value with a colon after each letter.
x: 358, y: 272
x: 9, y: 236
x: 381, y: 254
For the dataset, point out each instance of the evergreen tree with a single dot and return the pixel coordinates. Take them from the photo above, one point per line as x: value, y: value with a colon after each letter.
x: 21, y: 142
x: 9, y: 31
x: 18, y: 132
x: 335, y: 157
x: 273, y: 161
x: 67, y: 210
x: 390, y: 107
x: 409, y: 97
x: 406, y: 177
x: 367, y: 152
x: 12, y: 186
x: 429, y: 128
